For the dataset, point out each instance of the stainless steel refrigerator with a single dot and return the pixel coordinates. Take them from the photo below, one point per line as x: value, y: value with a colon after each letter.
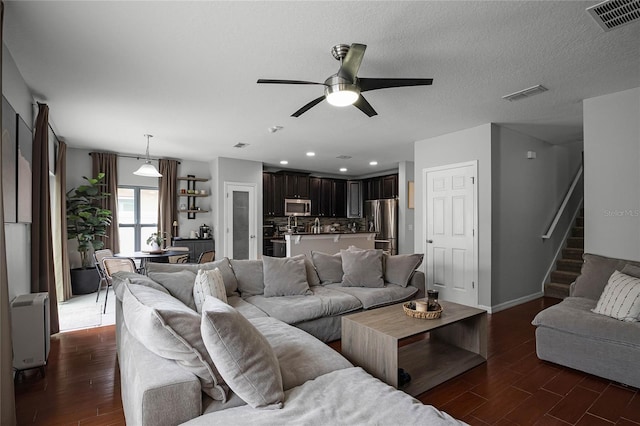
x: 382, y: 218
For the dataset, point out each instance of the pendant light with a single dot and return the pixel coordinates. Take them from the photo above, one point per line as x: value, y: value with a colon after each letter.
x: 147, y: 169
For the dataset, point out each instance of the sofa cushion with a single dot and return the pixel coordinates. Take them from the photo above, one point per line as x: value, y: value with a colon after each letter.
x: 573, y: 315
x: 302, y: 357
x: 249, y: 275
x: 399, y: 268
x: 362, y: 268
x: 208, y: 283
x: 632, y: 270
x: 595, y: 273
x: 245, y: 308
x: 329, y: 267
x: 119, y: 278
x: 374, y: 297
x: 168, y: 328
x: 242, y: 354
x: 294, y: 309
x: 312, y: 274
x: 620, y: 298
x: 179, y: 284
x: 284, y: 276
x: 230, y: 282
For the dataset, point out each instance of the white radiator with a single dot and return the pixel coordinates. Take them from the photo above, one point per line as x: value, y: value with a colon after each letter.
x: 30, y: 330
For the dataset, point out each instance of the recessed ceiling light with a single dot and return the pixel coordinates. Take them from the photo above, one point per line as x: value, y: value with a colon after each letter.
x: 284, y: 162
x: 373, y: 163
x: 311, y: 154
x: 343, y: 169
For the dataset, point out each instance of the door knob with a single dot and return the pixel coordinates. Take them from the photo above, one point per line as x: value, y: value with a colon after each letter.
x: 430, y: 241
x: 252, y: 236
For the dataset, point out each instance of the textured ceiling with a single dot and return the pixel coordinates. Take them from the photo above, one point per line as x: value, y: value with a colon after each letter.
x: 186, y: 72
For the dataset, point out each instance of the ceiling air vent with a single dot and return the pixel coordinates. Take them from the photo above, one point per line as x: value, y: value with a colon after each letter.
x: 526, y: 93
x: 344, y: 157
x: 241, y: 145
x: 615, y: 13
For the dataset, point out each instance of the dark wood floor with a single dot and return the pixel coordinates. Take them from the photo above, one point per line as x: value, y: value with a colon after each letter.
x: 82, y: 384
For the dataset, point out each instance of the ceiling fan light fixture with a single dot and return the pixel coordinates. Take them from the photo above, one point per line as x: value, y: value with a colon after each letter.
x: 147, y: 169
x: 340, y: 92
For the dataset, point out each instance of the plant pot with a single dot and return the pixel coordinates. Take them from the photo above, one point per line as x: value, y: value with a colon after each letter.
x: 84, y: 281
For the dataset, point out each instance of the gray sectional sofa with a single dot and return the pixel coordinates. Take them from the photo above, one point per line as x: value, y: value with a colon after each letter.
x: 570, y: 334
x: 168, y: 385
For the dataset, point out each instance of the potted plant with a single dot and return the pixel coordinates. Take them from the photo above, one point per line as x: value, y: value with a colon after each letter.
x: 155, y: 241
x: 86, y: 221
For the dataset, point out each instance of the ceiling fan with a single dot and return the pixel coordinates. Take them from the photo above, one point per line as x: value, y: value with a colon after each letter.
x: 344, y: 87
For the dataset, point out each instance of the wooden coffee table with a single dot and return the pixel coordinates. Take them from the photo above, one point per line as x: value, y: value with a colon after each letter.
x: 435, y: 350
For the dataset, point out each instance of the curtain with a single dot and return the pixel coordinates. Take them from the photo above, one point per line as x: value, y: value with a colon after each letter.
x: 42, y: 270
x: 108, y: 164
x: 167, y: 198
x: 60, y: 245
x: 7, y: 396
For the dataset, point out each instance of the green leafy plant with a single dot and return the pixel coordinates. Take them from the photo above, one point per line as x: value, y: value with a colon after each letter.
x: 86, y: 219
x: 157, y: 238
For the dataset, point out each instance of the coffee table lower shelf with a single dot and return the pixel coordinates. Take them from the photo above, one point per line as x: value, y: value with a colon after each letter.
x: 432, y: 363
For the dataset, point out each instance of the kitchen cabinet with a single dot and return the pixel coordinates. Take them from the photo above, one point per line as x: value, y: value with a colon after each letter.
x: 196, y: 246
x: 380, y: 187
x: 272, y: 190
x: 192, y: 194
x: 389, y: 186
x: 339, y: 206
x: 354, y: 198
x: 315, y: 195
x: 296, y: 185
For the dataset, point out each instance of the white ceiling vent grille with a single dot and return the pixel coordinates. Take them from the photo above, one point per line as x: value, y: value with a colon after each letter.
x: 526, y: 93
x: 241, y: 145
x: 612, y: 14
x: 344, y: 157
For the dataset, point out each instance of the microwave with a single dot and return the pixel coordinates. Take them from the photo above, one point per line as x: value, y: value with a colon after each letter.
x: 297, y: 207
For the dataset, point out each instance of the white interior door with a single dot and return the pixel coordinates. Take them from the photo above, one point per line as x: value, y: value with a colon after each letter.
x: 240, y: 221
x: 450, y: 232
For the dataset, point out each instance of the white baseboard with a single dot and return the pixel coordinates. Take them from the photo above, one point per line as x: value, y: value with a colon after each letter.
x: 511, y: 303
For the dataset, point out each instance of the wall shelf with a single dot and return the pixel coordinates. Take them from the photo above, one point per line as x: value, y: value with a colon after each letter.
x: 191, y: 209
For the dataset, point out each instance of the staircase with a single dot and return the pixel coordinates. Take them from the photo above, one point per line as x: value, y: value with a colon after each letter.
x: 569, y: 265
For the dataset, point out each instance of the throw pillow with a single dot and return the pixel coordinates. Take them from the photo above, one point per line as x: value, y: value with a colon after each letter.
x: 399, y: 268
x: 179, y: 284
x: 632, y: 270
x: 170, y: 330
x: 249, y: 276
x: 362, y: 268
x: 208, y: 283
x: 312, y: 274
x: 620, y: 298
x: 284, y: 276
x: 223, y: 264
x: 242, y: 354
x: 329, y: 267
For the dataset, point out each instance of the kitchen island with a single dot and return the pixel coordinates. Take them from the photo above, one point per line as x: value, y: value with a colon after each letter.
x: 330, y: 242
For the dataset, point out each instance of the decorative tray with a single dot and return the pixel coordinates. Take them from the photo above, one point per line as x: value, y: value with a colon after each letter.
x: 409, y: 309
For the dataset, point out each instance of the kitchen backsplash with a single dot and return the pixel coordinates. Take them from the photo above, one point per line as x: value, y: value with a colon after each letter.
x: 306, y: 222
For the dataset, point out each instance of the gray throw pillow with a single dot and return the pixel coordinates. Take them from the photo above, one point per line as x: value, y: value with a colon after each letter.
x: 284, y: 276
x: 120, y: 277
x: 179, y: 284
x: 244, y: 357
x: 170, y: 330
x: 328, y: 266
x: 632, y: 270
x: 398, y: 269
x: 249, y: 275
x: 312, y: 274
x: 230, y: 282
x: 362, y: 268
x: 595, y: 274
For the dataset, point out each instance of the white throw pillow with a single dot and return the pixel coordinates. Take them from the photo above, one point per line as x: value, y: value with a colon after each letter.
x: 620, y: 298
x: 208, y: 283
x: 243, y: 356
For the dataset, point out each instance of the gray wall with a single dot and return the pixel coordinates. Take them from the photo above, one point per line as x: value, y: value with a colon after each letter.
x: 526, y: 197
x: 406, y: 216
x: 465, y: 145
x: 612, y: 174
x: 238, y: 171
x: 17, y: 235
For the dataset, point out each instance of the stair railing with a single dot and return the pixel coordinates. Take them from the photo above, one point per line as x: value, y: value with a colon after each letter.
x: 562, y: 207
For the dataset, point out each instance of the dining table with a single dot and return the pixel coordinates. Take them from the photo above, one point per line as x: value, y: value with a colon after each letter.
x: 144, y: 256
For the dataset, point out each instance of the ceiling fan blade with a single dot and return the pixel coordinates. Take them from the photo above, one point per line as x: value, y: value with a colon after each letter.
x: 267, y: 81
x: 308, y: 106
x: 384, y: 83
x: 365, y: 106
x: 351, y: 62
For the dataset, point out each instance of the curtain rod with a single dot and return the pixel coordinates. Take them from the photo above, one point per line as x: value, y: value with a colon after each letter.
x: 138, y: 157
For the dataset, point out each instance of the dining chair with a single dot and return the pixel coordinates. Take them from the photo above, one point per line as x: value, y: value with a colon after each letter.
x: 180, y: 258
x: 98, y: 255
x: 207, y: 256
x: 112, y: 265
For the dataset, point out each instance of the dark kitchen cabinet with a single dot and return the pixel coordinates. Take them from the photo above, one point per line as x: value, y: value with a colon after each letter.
x: 339, y: 206
x: 272, y: 194
x: 315, y: 191
x: 389, y: 186
x: 354, y: 199
x: 380, y: 187
x: 372, y: 189
x: 196, y: 246
x: 296, y: 186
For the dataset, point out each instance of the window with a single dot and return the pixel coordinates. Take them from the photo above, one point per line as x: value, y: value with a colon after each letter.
x: 137, y: 216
